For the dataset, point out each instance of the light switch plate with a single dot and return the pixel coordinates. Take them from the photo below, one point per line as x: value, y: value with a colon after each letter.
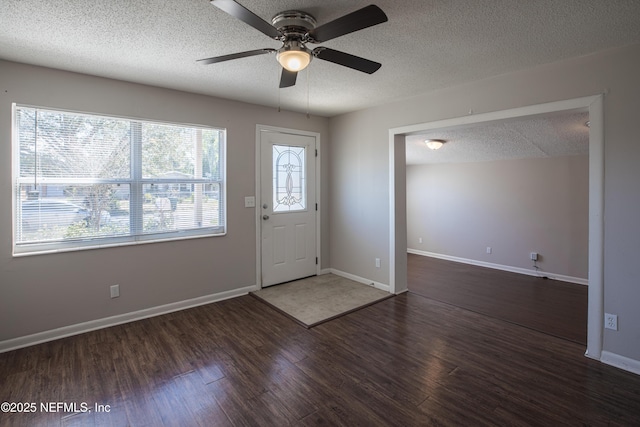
x: 250, y: 202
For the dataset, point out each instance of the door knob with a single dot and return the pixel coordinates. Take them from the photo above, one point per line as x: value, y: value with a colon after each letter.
x: 265, y: 217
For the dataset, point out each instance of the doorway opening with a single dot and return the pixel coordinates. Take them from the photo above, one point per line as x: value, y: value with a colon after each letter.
x: 479, y: 206
x: 398, y: 219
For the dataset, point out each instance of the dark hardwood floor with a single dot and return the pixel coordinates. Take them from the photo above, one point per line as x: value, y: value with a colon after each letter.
x: 406, y: 361
x: 550, y: 306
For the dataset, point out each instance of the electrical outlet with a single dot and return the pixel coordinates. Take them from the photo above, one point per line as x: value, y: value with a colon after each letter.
x: 489, y: 250
x: 419, y: 239
x: 533, y: 256
x: 115, y: 291
x: 377, y: 262
x: 611, y: 321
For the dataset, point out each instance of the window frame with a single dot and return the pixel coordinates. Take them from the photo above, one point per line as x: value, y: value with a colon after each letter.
x: 135, y: 181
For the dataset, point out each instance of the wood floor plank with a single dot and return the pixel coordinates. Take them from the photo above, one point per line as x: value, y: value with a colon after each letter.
x: 409, y: 360
x: 550, y: 306
x: 196, y: 403
x: 380, y: 374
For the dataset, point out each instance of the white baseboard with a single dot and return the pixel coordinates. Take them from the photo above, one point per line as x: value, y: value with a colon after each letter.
x: 66, y: 331
x: 528, y: 272
x: 324, y: 271
x: 359, y: 279
x: 622, y: 362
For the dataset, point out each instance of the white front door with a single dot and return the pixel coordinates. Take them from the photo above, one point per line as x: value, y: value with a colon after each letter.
x: 287, y: 206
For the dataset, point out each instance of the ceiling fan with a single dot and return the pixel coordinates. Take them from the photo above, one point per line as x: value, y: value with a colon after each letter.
x: 295, y: 29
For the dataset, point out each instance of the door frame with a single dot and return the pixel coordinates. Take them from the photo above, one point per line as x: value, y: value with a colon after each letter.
x: 397, y: 199
x: 316, y: 135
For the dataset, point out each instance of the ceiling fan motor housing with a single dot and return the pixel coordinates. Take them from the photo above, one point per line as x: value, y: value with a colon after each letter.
x: 294, y: 25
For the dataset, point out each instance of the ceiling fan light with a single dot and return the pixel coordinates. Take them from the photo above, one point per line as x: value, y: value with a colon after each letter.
x: 293, y: 59
x: 434, y: 144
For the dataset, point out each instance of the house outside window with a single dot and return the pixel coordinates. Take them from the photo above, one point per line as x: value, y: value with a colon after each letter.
x: 83, y: 180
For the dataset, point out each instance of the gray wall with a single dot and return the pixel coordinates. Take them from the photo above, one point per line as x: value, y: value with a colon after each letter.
x: 359, y: 168
x: 513, y: 206
x: 39, y: 293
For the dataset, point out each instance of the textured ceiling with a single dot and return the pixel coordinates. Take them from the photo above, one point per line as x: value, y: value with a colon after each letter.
x: 426, y: 45
x: 563, y: 134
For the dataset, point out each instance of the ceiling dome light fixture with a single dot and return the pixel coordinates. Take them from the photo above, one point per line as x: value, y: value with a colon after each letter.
x: 434, y: 144
x: 294, y: 56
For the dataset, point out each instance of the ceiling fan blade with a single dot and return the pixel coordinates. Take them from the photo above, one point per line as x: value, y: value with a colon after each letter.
x: 288, y: 78
x: 355, y: 21
x: 238, y: 55
x: 245, y: 15
x: 346, y: 59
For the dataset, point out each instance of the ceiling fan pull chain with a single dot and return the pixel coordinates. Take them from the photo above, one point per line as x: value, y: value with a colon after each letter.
x: 308, y: 115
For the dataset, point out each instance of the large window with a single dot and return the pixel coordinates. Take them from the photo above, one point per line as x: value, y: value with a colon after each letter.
x: 84, y: 180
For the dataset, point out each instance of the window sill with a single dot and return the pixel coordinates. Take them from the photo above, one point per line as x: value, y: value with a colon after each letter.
x: 110, y: 244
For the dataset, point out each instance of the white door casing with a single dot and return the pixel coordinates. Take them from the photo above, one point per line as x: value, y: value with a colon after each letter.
x: 287, y: 206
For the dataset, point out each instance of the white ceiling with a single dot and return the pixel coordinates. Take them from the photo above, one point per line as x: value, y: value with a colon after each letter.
x: 426, y: 45
x: 561, y: 134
